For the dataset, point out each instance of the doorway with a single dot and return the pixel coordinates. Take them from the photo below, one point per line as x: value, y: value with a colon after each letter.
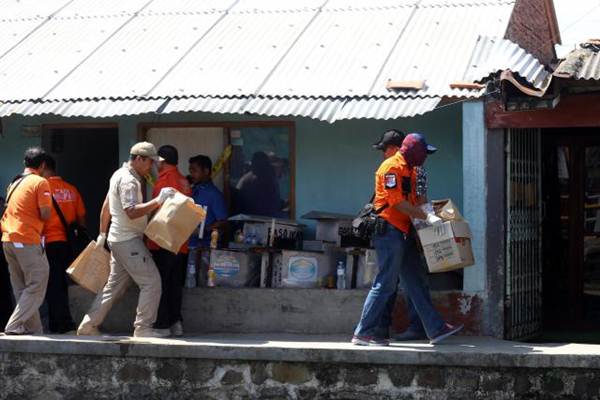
x: 571, y: 232
x: 86, y: 157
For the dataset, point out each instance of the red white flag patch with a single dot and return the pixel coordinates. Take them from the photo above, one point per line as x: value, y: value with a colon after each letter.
x: 390, y: 181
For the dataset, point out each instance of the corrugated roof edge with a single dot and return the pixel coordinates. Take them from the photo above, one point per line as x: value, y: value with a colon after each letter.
x: 329, y: 110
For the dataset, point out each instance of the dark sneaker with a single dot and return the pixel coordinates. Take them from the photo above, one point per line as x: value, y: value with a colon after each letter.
x: 410, y: 335
x: 447, y: 331
x: 369, y: 341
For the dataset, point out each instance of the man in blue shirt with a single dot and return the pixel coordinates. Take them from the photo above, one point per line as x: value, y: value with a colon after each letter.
x: 205, y: 193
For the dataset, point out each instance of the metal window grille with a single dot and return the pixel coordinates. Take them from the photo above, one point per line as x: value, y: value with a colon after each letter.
x: 523, y: 291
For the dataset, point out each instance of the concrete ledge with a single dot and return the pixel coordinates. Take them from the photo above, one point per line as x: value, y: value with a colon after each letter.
x: 459, y: 351
x: 243, y: 310
x: 254, y: 310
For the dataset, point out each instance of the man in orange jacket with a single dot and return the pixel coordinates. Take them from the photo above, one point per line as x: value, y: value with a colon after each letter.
x: 170, y: 266
x: 28, y: 207
x: 68, y: 201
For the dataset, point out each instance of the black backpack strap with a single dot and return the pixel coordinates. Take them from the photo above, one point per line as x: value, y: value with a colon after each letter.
x: 380, y: 209
x: 12, y: 189
x: 61, y: 216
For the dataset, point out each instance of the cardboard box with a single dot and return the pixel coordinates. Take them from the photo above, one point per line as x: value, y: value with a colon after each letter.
x: 91, y: 268
x: 449, y: 250
x: 303, y: 269
x: 319, y: 246
x: 334, y: 228
x: 288, y: 233
x: 361, y: 268
x: 174, y: 222
x: 235, y: 269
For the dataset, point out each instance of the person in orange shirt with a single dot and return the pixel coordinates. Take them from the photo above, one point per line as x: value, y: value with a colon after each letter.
x: 68, y: 200
x: 398, y: 257
x: 28, y: 207
x: 170, y: 266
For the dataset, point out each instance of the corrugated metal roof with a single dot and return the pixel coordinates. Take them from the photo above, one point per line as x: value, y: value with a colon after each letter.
x: 82, y: 108
x: 327, y: 59
x: 492, y: 55
x: 324, y: 109
x: 582, y: 63
x: 438, y: 44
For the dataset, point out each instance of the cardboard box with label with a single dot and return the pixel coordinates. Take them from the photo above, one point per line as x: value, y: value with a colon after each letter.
x: 235, y: 269
x: 303, y: 269
x: 448, y: 249
x: 288, y: 233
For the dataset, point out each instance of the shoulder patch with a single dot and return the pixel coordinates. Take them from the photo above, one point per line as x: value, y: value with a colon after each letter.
x: 390, y: 181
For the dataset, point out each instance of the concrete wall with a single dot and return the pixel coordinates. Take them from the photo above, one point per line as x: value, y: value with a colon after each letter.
x: 335, y: 163
x: 58, y: 377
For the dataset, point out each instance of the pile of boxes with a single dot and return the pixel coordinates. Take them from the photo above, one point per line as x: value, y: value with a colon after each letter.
x: 271, y: 253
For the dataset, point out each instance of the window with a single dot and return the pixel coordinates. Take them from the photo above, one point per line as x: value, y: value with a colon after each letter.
x: 260, y: 173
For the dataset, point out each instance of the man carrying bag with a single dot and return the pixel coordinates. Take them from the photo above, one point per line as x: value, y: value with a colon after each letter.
x: 63, y: 233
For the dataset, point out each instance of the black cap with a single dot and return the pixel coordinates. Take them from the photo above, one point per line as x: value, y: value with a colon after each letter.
x: 389, y: 137
x: 168, y: 154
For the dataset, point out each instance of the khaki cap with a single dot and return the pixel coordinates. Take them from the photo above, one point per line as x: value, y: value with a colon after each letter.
x: 144, y: 149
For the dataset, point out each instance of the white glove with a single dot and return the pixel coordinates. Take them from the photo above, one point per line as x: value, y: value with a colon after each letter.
x: 101, y: 240
x: 437, y: 224
x: 164, y: 194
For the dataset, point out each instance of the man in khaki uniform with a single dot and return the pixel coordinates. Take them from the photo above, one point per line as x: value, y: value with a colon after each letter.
x: 28, y: 206
x: 130, y: 260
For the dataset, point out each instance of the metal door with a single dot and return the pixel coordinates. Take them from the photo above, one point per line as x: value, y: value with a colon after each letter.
x: 523, y: 291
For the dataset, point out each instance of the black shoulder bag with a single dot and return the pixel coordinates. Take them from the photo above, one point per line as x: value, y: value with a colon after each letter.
x: 77, y: 236
x: 12, y: 190
x: 367, y: 222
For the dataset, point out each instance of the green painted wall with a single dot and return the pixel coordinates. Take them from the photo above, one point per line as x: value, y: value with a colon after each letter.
x: 12, y: 146
x: 335, y: 163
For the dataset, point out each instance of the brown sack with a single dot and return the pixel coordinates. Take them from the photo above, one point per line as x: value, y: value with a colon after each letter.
x: 91, y: 268
x: 174, y: 222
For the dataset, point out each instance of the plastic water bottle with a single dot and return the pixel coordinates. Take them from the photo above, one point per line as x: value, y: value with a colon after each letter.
x: 190, y: 275
x: 341, y: 275
x: 212, y: 278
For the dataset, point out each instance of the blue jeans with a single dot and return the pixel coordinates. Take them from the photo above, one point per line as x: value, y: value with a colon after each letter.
x: 398, y: 259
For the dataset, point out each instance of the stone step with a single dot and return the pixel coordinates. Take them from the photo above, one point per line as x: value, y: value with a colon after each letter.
x: 244, y: 310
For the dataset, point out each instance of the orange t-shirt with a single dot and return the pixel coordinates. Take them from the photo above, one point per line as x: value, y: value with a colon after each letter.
x: 171, y: 177
x: 21, y: 222
x: 395, y: 181
x: 70, y: 203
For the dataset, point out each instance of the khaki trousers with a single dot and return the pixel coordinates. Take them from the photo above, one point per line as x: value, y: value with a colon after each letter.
x: 28, y: 268
x: 129, y: 260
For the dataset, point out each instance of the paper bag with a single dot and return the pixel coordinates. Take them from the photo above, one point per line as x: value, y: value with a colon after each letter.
x: 174, y: 222
x: 91, y: 268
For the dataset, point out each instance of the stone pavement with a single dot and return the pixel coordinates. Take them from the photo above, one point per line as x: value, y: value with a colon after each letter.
x: 457, y: 351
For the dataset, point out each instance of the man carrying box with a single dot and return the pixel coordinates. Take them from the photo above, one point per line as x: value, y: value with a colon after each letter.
x: 130, y: 260
x: 397, y: 253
